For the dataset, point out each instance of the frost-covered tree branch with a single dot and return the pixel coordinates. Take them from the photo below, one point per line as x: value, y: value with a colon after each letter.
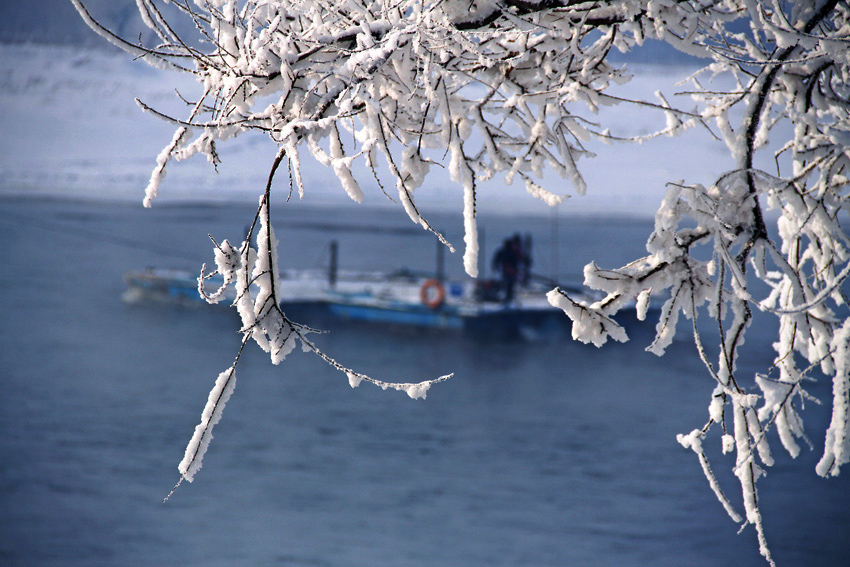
x: 790, y: 76
x: 395, y: 87
x: 509, y: 89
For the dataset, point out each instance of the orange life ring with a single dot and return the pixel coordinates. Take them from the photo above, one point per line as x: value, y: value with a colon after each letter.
x: 432, y: 293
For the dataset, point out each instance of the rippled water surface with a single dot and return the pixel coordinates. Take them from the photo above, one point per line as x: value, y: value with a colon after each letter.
x: 534, y: 454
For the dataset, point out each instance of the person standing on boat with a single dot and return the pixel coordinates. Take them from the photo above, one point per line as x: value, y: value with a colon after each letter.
x: 525, y: 264
x: 507, y: 262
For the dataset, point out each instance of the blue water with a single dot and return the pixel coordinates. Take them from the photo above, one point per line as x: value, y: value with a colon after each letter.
x: 534, y: 454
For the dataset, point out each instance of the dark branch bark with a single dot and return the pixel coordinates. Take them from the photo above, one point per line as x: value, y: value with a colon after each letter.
x: 520, y: 8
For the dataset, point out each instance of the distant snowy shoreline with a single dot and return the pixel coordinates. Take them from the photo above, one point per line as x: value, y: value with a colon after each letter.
x: 73, y: 130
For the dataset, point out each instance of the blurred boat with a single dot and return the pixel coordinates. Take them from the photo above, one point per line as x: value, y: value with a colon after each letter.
x: 401, y: 298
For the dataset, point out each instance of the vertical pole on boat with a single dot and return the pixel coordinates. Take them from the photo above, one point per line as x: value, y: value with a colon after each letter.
x: 556, y: 255
x: 441, y: 261
x: 334, y: 265
x: 482, y: 250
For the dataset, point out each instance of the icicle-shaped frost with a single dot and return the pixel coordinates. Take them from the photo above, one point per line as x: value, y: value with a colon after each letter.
x: 221, y: 392
x: 837, y: 446
x: 589, y: 326
x: 461, y: 173
x: 354, y: 379
x: 158, y: 174
x: 777, y: 403
x: 244, y: 301
x: 693, y: 441
x: 470, y: 232
x: 747, y: 471
x: 272, y: 331
x: 342, y: 168
x: 642, y: 304
x: 762, y: 445
x: 665, y: 329
x: 547, y: 197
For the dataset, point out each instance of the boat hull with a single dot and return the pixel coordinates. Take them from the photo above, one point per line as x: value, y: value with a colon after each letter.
x: 375, y: 298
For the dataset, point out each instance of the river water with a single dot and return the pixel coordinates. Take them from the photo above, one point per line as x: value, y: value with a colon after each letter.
x: 544, y: 453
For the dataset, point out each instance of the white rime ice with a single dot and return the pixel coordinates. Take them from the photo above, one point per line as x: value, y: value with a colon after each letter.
x: 253, y: 274
x: 400, y: 96
x: 220, y: 394
x: 590, y: 323
x: 803, y: 273
x: 269, y: 327
x: 837, y: 446
x: 512, y: 89
x: 693, y: 441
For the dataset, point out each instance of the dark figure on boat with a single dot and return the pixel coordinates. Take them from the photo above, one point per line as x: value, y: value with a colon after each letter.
x: 525, y: 264
x: 512, y: 264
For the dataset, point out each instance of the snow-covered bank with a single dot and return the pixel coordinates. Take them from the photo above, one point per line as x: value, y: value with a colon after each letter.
x: 72, y: 128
